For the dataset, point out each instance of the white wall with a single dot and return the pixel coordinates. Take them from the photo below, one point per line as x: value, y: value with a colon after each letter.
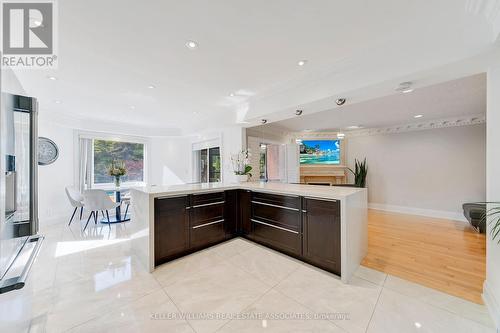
x: 170, y: 161
x: 429, y: 172
x: 53, y: 205
x: 492, y: 284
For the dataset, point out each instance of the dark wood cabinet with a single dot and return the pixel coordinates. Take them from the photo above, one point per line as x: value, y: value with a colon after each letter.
x: 321, y: 233
x: 207, y: 220
x: 231, y: 213
x: 171, y: 234
x: 276, y: 222
x: 245, y: 212
x: 306, y: 228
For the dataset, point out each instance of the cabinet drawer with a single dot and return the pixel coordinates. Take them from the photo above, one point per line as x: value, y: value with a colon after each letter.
x: 204, y: 214
x: 288, y: 201
x: 283, y: 217
x: 206, y: 234
x: 279, y: 238
x: 198, y: 200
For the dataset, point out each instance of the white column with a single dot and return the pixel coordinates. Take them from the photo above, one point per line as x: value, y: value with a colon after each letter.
x: 491, y: 292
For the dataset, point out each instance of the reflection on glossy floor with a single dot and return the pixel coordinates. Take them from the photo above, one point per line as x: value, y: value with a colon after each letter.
x: 445, y: 255
x: 91, y: 282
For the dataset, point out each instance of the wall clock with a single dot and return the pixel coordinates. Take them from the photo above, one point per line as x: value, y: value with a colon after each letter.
x: 47, y: 151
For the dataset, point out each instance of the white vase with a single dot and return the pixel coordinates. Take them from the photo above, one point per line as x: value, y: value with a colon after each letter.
x: 242, y: 178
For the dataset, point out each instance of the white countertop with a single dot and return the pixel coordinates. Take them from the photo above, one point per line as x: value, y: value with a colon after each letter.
x: 318, y: 191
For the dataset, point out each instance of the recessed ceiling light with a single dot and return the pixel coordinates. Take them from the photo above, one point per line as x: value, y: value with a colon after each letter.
x: 418, y: 116
x: 405, y: 87
x: 53, y: 78
x: 151, y: 86
x: 302, y: 62
x: 340, y: 101
x: 231, y: 95
x: 191, y: 44
x: 196, y: 112
x: 132, y: 107
x: 57, y: 101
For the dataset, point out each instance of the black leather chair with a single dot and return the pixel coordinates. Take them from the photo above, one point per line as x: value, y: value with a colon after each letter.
x: 474, y: 213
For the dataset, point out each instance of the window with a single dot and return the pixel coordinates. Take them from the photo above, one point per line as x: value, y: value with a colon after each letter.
x: 207, y: 165
x: 132, y: 155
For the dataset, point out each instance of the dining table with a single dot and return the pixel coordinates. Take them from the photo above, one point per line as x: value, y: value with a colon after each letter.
x: 118, y: 218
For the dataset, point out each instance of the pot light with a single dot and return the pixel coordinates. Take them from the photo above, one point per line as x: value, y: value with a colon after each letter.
x: 405, y: 87
x: 132, y: 107
x: 151, y: 86
x: 231, y: 95
x: 53, y: 78
x: 302, y: 62
x: 191, y: 44
x: 340, y: 101
x: 418, y: 116
x: 57, y: 101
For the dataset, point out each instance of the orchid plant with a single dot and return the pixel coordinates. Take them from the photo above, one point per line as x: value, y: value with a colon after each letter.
x: 240, y: 162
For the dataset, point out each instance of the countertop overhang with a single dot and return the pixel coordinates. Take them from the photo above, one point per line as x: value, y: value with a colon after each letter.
x: 314, y: 191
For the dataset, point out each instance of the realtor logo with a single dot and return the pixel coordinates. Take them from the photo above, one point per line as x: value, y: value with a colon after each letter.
x: 28, y: 30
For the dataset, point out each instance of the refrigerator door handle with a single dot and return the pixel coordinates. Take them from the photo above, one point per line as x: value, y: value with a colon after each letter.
x: 18, y: 282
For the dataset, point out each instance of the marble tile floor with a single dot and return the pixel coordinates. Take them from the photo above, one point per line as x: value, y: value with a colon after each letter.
x: 92, y: 282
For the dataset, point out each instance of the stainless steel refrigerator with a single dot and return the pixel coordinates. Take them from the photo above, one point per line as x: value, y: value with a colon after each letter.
x: 19, y: 242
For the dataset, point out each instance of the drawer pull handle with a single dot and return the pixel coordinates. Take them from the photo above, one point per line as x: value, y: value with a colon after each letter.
x: 209, y: 204
x: 206, y: 224
x: 275, y: 226
x: 321, y: 199
x: 280, y: 194
x: 277, y: 206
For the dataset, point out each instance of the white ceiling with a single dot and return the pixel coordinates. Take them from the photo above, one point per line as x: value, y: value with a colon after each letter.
x: 461, y: 97
x: 110, y: 51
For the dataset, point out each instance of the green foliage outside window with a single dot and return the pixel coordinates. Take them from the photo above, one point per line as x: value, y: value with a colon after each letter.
x: 107, y: 151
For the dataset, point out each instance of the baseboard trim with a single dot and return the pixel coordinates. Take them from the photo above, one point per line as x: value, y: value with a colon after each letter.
x: 440, y: 214
x: 492, y: 304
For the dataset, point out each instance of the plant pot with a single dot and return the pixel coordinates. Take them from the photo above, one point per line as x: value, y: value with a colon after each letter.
x: 242, y: 178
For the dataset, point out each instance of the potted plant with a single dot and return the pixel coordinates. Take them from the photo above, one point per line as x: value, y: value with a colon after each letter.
x: 493, y: 215
x: 117, y: 170
x: 360, y: 172
x: 241, y: 166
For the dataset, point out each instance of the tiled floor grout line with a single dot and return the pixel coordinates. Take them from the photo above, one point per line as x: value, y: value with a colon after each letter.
x: 258, y: 299
x: 375, y: 307
x: 178, y: 309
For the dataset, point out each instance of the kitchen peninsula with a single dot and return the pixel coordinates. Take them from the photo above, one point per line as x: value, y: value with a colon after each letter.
x: 321, y: 225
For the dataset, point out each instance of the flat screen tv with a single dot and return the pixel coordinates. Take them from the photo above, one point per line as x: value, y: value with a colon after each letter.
x: 320, y: 152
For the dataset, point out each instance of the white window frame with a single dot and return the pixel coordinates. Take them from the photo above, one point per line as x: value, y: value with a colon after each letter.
x: 215, y: 142
x: 119, y: 138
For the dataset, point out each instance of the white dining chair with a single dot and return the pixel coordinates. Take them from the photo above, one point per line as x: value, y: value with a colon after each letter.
x: 76, y: 200
x: 126, y: 201
x: 98, y: 200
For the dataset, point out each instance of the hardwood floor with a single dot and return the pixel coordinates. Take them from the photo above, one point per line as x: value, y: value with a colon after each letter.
x: 441, y: 254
